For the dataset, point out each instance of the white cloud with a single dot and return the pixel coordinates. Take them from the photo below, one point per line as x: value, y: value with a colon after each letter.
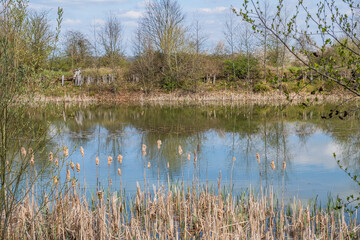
x: 130, y: 23
x: 213, y: 10
x: 97, y: 22
x: 131, y: 14
x: 69, y: 21
x: 37, y: 7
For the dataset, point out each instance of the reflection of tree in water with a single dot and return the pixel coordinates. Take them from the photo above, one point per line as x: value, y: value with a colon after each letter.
x: 253, y: 129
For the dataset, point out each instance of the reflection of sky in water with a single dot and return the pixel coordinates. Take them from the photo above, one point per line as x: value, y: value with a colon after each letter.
x: 311, y: 167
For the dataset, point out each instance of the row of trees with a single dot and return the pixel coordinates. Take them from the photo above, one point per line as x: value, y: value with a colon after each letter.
x: 256, y: 48
x: 169, y: 54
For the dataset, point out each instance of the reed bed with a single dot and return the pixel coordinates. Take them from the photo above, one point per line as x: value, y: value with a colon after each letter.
x: 177, y: 211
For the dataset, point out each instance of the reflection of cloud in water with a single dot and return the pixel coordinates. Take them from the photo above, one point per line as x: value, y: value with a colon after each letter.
x: 318, y: 150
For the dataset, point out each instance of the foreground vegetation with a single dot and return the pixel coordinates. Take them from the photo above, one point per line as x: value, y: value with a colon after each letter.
x: 166, y: 212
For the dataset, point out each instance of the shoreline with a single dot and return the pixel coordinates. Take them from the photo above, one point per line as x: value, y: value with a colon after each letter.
x: 205, y: 98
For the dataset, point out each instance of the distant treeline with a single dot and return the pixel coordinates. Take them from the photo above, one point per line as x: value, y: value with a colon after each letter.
x: 169, y: 55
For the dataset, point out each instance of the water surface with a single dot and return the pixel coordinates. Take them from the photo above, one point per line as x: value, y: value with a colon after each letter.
x: 294, y: 134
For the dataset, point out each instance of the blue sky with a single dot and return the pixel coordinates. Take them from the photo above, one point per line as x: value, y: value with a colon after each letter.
x: 81, y: 14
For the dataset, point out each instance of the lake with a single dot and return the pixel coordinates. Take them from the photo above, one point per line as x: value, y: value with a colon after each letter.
x: 297, y: 135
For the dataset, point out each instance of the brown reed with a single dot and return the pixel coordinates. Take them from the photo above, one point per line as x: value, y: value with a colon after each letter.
x: 180, y: 151
x: 23, y: 152
x: 120, y: 158
x: 109, y: 160
x: 175, y: 214
x: 97, y: 161
x: 51, y: 156
x: 66, y: 152
x: 82, y: 151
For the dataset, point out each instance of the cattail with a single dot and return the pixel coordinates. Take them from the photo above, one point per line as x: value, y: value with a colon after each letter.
x: 100, y: 194
x: 32, y: 159
x: 56, y: 162
x: 119, y: 158
x: 180, y: 150
x: 73, y: 182
x: 82, y: 151
x: 119, y: 172
x: 284, y: 165
x: 194, y: 152
x: 149, y: 164
x: 168, y: 165
x: 258, y: 158
x: 30, y: 151
x: 195, y: 158
x: 55, y: 180
x: 143, y: 148
x: 234, y: 159
x: 51, y: 156
x: 97, y: 160
x: 23, y: 151
x: 68, y: 175
x: 159, y: 144
x: 72, y: 165
x: 272, y: 165
x: 66, y: 151
x: 109, y: 160
x: 188, y: 157
x: 78, y: 167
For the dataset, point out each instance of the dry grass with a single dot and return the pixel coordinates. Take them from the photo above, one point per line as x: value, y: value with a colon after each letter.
x: 174, y: 212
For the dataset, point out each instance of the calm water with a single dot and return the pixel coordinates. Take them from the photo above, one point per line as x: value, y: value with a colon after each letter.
x: 295, y: 134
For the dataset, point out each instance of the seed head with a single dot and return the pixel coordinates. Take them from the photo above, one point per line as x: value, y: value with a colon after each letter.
x: 258, y: 158
x: 119, y: 158
x: 272, y: 164
x: 149, y: 164
x: 100, y: 194
x: 284, y: 165
x: 234, y: 159
x: 32, y: 159
x: 168, y: 165
x: 180, y: 150
x: 82, y: 151
x: 119, y: 172
x: 51, y: 156
x: 30, y: 151
x: 97, y: 160
x: 73, y: 183
x: 55, y: 180
x: 23, y: 152
x: 66, y: 151
x: 78, y: 167
x: 68, y: 175
x: 56, y: 162
x: 109, y: 160
x: 188, y: 157
x: 195, y: 158
x: 143, y: 148
x: 159, y: 144
x: 72, y: 165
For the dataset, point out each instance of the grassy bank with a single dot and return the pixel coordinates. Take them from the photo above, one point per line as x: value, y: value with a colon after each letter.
x: 174, y: 211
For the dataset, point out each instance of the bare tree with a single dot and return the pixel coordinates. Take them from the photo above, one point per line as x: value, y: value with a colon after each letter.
x: 40, y: 36
x: 163, y: 25
x: 230, y: 32
x: 198, y: 36
x: 111, y: 37
x: 247, y: 44
x: 77, y: 47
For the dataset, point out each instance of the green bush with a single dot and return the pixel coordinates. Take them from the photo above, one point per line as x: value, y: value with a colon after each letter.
x: 237, y: 68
